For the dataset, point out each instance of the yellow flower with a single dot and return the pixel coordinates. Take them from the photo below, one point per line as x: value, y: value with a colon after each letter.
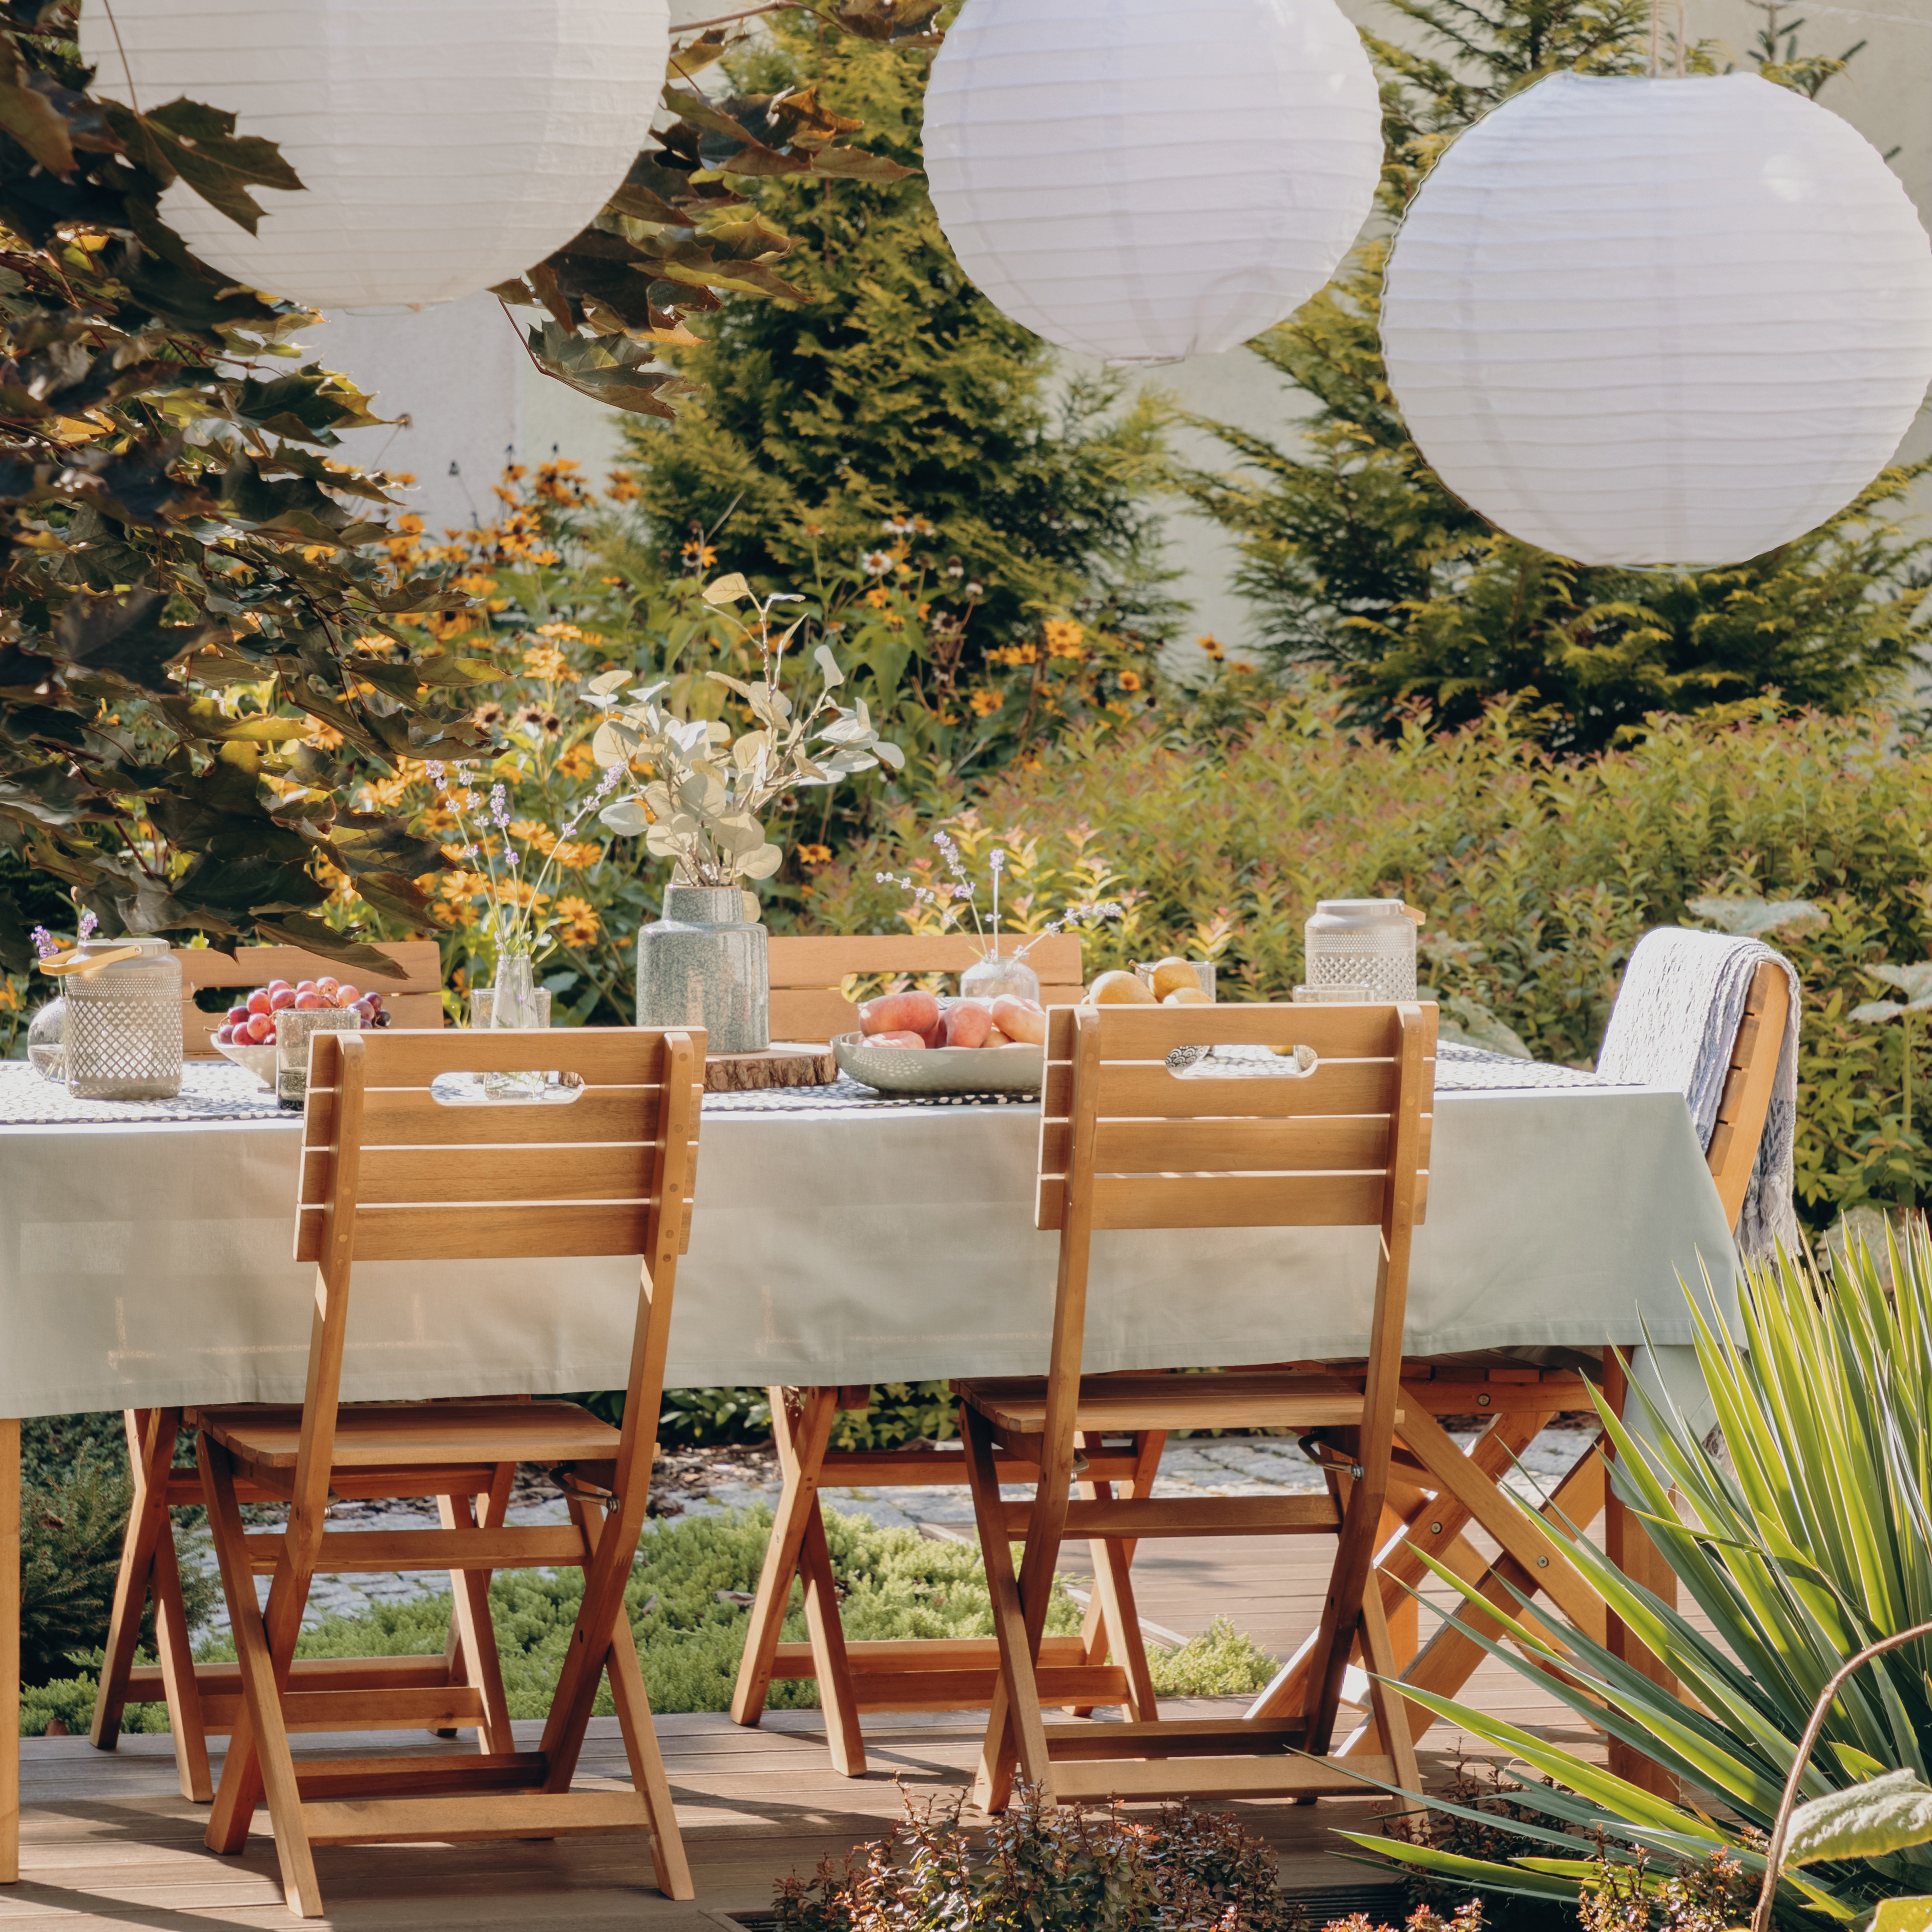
x: 985, y: 701
x: 533, y: 831
x: 576, y: 855
x: 1064, y: 638
x: 622, y: 488
x: 1130, y: 680
x: 701, y: 554
x: 577, y: 922
x: 1211, y: 646
x: 578, y: 762
x: 814, y: 855
x: 323, y: 737
x: 546, y: 662
x: 1014, y: 654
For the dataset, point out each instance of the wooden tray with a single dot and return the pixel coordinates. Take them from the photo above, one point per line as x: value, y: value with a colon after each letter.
x: 783, y: 1064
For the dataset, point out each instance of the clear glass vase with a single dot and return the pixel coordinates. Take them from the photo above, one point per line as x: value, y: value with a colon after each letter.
x: 998, y: 975
x: 44, y: 1034
x: 513, y: 1004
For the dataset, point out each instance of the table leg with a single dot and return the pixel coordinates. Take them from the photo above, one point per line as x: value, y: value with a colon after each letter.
x: 10, y: 1651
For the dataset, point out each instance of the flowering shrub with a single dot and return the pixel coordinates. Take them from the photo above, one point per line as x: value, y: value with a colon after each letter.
x: 1538, y: 874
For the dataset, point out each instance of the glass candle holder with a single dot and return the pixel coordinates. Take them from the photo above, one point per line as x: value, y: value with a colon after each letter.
x: 122, y: 1037
x: 293, y: 1027
x: 1367, y: 943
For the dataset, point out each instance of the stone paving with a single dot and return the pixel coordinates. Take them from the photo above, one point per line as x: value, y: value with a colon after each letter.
x: 709, y: 1483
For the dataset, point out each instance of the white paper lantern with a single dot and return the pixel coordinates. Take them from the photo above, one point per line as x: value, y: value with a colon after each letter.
x: 1142, y: 181
x: 1659, y: 323
x: 444, y: 145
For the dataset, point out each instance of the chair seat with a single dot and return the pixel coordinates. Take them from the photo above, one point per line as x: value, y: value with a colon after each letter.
x: 1274, y: 1398
x: 409, y: 1435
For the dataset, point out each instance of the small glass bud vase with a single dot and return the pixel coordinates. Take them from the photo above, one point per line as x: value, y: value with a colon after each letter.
x: 514, y: 1005
x: 44, y: 1035
x: 122, y: 1040
x: 998, y: 976
x: 294, y: 1027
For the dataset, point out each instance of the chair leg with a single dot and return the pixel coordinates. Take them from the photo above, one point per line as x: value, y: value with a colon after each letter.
x: 179, y: 1684
x: 1016, y: 1730
x: 1391, y: 1710
x: 1112, y: 1623
x: 1628, y: 1544
x: 802, y: 1422
x: 151, y: 1448
x: 259, y: 1750
x: 837, y: 1693
x: 473, y: 1645
x: 633, y: 1704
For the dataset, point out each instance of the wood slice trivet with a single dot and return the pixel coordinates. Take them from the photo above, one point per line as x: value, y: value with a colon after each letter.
x: 784, y: 1064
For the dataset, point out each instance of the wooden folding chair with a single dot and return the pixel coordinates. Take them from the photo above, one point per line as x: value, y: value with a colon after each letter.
x: 807, y: 974
x: 1127, y: 1144
x: 393, y: 1171
x: 203, y: 1702
x: 1441, y: 1493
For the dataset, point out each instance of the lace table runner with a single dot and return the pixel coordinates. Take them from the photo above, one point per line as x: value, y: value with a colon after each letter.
x: 215, y: 1090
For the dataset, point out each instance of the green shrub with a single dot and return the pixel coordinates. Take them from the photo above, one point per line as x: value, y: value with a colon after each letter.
x: 1538, y: 874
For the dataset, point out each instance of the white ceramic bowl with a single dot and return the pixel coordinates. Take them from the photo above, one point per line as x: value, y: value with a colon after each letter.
x: 260, y: 1060
x: 1013, y: 1069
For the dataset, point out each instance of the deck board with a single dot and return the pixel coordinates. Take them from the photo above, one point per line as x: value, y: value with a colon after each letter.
x: 107, y: 1840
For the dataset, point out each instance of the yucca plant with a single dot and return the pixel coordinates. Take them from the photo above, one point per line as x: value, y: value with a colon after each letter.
x: 1809, y: 1541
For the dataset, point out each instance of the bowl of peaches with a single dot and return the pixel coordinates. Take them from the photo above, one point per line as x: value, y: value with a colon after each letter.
x: 917, y: 1043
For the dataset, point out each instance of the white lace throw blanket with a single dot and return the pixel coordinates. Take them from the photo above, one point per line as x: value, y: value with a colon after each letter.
x: 1676, y: 1015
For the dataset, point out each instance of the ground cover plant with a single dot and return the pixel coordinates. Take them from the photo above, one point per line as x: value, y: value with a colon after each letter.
x: 1807, y: 1540
x: 688, y: 1598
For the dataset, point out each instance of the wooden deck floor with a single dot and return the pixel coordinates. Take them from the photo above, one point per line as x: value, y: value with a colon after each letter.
x: 107, y: 1841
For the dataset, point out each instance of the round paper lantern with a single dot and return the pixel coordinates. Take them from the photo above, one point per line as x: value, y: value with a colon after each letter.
x: 444, y: 145
x: 1659, y: 323
x: 1141, y: 180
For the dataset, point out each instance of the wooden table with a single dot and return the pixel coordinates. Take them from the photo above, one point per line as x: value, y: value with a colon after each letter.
x: 830, y: 1246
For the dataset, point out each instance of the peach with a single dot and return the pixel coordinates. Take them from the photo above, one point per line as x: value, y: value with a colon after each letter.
x: 1119, y: 989
x: 1187, y: 996
x: 1171, y: 975
x: 1020, y: 1019
x: 897, y: 1039
x: 968, y: 1022
x: 996, y: 1038
x: 900, y: 1012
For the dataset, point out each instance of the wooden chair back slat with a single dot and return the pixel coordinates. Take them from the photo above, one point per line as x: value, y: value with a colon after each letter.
x: 807, y: 968
x: 512, y: 1185
x: 1746, y: 1098
x: 411, y: 1116
x: 1198, y: 1149
x: 415, y: 1000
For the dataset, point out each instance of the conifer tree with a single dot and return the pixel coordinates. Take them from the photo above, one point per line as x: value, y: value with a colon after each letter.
x: 893, y: 390
x: 1358, y: 562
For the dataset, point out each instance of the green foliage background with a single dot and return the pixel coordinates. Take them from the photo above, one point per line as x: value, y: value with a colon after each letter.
x: 895, y: 388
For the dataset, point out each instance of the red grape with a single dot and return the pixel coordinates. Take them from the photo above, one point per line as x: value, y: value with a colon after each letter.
x: 282, y: 998
x: 275, y: 986
x: 307, y: 1002
x: 259, y: 1002
x: 261, y: 1029
x: 305, y: 986
x: 346, y: 996
x: 224, y: 1036
x: 325, y: 986
x: 237, y: 1016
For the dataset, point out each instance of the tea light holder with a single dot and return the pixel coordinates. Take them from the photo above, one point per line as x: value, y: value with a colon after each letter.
x: 122, y: 1037
x: 1362, y: 943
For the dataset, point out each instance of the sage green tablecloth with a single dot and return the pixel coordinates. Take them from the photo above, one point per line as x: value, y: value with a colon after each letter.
x: 148, y: 1263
